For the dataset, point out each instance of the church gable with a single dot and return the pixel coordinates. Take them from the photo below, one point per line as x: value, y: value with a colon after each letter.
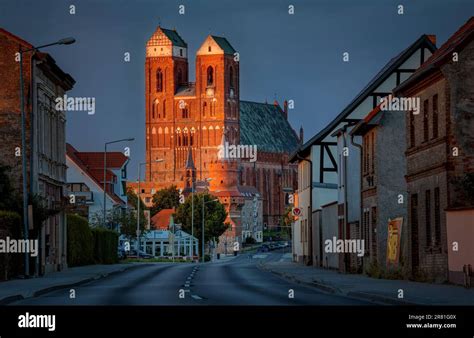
x: 215, y: 45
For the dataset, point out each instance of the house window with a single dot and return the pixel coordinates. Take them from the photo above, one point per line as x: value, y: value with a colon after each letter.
x: 180, y: 52
x: 412, y: 129
x: 428, y: 217
x: 414, y: 229
x: 372, y: 152
x: 209, y: 49
x: 435, y: 116
x: 373, y: 232
x: 425, y: 121
x: 159, y: 80
x: 437, y: 218
x: 210, y: 76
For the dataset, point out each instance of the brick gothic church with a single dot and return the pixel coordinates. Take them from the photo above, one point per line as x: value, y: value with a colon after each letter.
x: 187, y: 121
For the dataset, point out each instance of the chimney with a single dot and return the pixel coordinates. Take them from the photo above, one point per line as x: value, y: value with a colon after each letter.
x: 432, y: 38
x: 285, y: 109
x: 301, y: 135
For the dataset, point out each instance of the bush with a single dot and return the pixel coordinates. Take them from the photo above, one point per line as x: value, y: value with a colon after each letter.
x: 10, y: 223
x: 250, y: 240
x: 79, y: 241
x: 105, y: 246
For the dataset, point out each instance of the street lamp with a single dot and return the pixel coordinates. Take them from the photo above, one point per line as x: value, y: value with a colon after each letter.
x: 65, y: 41
x: 138, y: 203
x: 105, y: 166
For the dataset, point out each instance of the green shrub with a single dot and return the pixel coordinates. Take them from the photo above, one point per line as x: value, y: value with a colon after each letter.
x: 79, y: 241
x: 250, y: 240
x: 105, y: 246
x: 10, y: 225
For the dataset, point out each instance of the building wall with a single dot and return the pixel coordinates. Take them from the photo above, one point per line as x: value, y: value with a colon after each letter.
x: 329, y: 230
x: 460, y: 232
x: 391, y: 190
x: 76, y: 175
x: 426, y: 171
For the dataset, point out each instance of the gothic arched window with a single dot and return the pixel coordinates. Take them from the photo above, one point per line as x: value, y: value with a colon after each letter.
x: 210, y: 76
x: 159, y: 80
x: 204, y: 108
x: 180, y: 76
x: 231, y: 77
x: 164, y: 109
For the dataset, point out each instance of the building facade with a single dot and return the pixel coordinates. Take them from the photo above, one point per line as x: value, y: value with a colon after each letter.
x: 85, y: 181
x: 44, y: 81
x: 440, y: 150
x: 336, y: 155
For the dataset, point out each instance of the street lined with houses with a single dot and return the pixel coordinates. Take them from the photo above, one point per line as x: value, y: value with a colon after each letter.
x: 234, y: 281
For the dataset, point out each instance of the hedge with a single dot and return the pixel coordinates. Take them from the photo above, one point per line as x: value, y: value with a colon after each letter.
x: 79, y: 241
x: 105, y: 246
x: 10, y: 225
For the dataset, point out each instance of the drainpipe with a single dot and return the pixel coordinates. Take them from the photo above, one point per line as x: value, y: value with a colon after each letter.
x: 346, y: 255
x: 360, y: 173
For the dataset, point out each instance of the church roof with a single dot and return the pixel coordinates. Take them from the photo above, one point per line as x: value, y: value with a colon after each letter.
x: 265, y: 126
x: 174, y: 37
x: 224, y: 44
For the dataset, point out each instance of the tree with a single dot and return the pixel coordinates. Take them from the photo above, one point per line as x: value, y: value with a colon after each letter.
x: 166, y: 198
x: 214, y: 217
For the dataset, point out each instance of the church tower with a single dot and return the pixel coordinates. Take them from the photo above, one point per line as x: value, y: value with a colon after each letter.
x: 217, y: 91
x: 166, y: 69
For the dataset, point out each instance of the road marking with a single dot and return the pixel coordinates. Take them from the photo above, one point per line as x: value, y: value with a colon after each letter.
x: 260, y: 256
x: 196, y: 297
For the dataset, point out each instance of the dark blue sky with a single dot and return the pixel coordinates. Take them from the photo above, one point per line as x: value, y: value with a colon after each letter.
x: 295, y: 57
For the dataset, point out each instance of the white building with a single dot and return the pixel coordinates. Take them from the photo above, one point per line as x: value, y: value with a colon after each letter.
x: 85, y: 179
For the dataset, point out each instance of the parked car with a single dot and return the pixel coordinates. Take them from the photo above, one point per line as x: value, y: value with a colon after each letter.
x: 263, y: 248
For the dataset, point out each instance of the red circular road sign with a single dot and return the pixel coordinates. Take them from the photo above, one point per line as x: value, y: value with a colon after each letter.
x: 296, y: 212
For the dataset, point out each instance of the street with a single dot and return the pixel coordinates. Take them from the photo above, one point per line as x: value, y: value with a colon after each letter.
x: 233, y: 281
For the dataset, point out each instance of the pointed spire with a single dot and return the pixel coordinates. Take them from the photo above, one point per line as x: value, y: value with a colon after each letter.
x: 190, y: 161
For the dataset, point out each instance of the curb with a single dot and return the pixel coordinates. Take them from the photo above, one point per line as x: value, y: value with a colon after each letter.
x: 324, y: 287
x: 10, y: 299
x: 379, y: 298
x: 334, y: 290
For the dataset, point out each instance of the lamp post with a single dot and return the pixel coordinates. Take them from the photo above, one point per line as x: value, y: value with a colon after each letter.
x: 138, y: 204
x: 105, y: 169
x: 65, y: 41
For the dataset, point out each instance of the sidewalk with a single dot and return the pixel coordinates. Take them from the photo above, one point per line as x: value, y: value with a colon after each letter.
x: 381, y: 291
x: 18, y: 289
